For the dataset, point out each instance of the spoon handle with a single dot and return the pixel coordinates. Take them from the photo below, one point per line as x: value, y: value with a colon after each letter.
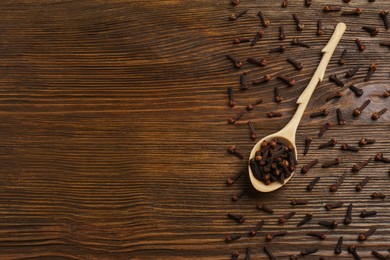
x: 303, y: 100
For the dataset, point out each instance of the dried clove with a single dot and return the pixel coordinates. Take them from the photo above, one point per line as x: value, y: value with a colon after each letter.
x: 232, y: 100
x: 233, y: 120
x: 259, y: 224
x: 237, y: 64
x: 237, y: 196
x: 269, y: 253
x: 279, y: 49
x: 371, y: 69
x: 231, y: 238
x: 324, y: 128
x: 289, y: 81
x: 340, y: 118
x: 338, y: 94
x: 318, y: 235
x: 238, y: 218
x: 320, y: 29
x: 235, y: 177
x: 333, y: 78
x: 334, y: 187
x: 338, y: 250
x: 253, y: 105
x: 331, y: 8
x: 380, y: 158
x: 305, y: 219
x: 380, y: 256
x: 329, y: 224
x: 328, y: 164
x: 363, y: 236
x: 299, y: 23
x: 307, y: 145
x: 371, y: 29
x: 265, y: 22
x: 356, y: 12
x: 239, y: 40
x: 259, y: 35
x: 343, y: 57
x: 384, y: 15
x: 377, y: 115
x: 311, y: 185
x: 323, y: 112
x: 260, y: 63
x: 243, y: 82
x: 365, y: 213
x: 331, y: 142
x: 347, y: 147
x: 252, y: 130
x: 297, y: 65
x: 277, y: 98
x: 233, y: 150
x: 265, y: 208
x: 360, y: 165
x: 234, y: 17
x: 295, y: 202
x: 282, y: 36
x: 286, y: 216
x: 348, y: 215
x: 308, y: 166
x: 299, y: 42
x: 262, y: 80
x: 309, y: 251
x: 352, y: 250
x: 364, y: 141
x: 378, y: 195
x: 360, y: 45
x: 335, y: 205
x: 352, y: 72
x: 271, y: 236
x: 274, y: 114
x: 357, y: 91
x: 358, y: 111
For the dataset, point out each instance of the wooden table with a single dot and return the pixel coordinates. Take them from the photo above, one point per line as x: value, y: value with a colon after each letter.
x: 114, y: 130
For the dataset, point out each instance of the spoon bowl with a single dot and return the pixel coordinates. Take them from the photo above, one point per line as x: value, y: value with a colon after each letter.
x: 259, y: 185
x: 287, y: 134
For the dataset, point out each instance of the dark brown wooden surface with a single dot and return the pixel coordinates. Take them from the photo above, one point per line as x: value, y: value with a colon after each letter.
x: 113, y: 124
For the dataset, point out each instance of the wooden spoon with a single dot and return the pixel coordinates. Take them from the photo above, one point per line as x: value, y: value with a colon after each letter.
x: 287, y: 134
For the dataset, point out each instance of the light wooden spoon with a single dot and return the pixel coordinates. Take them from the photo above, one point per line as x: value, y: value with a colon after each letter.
x: 287, y: 134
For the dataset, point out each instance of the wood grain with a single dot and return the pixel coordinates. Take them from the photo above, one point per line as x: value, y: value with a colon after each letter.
x: 113, y: 119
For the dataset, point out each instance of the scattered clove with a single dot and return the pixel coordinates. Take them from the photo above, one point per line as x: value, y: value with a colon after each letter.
x: 262, y: 80
x: 235, y: 177
x: 253, y: 105
x: 384, y: 15
x: 259, y: 224
x: 286, y: 216
x: 320, y: 29
x: 324, y: 128
x: 358, y: 11
x: 233, y: 150
x: 279, y: 49
x: 238, y: 218
x: 357, y: 91
x: 260, y: 63
x: 380, y: 158
x: 237, y: 196
x: 333, y: 78
x: 352, y: 72
x: 338, y: 250
x: 299, y: 42
x: 323, y: 112
x: 366, y: 214
x: 307, y: 145
x: 338, y: 94
x: 243, y: 82
x: 232, y: 100
x: 265, y: 22
x: 308, y: 166
x: 343, y: 57
x: 329, y: 224
x: 331, y: 142
x: 347, y: 147
x: 371, y: 29
x: 274, y: 114
x: 237, y: 64
x: 328, y: 164
x: 334, y: 187
x: 299, y: 23
x: 360, y: 165
x: 377, y: 115
x: 364, y: 141
x: 340, y: 118
x: 363, y: 236
x: 231, y: 238
x: 265, y: 208
x: 335, y: 205
x: 305, y: 219
x: 234, y: 17
x: 297, y: 65
x: 289, y: 81
x: 271, y: 236
x: 331, y: 8
x: 277, y: 97
x: 311, y: 185
x: 233, y: 120
x: 370, y: 72
x: 360, y: 45
x: 259, y: 35
x: 358, y: 111
x: 348, y: 215
x: 318, y: 235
